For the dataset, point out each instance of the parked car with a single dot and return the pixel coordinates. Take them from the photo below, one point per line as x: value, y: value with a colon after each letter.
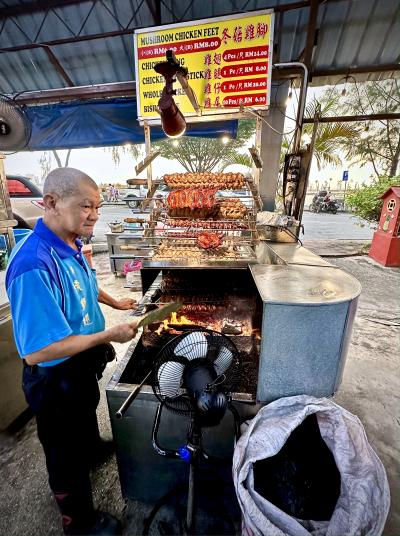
x: 26, y: 201
x: 136, y: 195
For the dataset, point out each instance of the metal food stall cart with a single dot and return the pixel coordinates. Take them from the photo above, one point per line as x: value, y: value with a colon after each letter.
x: 289, y: 312
x: 12, y: 401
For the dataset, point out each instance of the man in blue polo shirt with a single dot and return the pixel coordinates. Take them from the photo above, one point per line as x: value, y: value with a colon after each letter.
x: 60, y: 333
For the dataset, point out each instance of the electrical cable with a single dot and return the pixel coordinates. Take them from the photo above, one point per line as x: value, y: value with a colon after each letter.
x: 277, y: 107
x: 250, y: 110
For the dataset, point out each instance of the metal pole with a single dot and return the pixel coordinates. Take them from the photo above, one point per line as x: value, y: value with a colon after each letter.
x: 191, y: 498
x: 302, y: 98
x: 147, y: 142
x: 344, y: 195
x: 302, y: 189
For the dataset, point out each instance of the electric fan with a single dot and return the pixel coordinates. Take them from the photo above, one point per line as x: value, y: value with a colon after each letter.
x: 15, y: 127
x: 194, y: 374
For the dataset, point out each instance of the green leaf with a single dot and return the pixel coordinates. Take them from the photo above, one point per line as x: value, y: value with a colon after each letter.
x: 366, y: 201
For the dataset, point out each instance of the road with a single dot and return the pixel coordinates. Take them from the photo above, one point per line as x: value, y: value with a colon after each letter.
x: 340, y: 226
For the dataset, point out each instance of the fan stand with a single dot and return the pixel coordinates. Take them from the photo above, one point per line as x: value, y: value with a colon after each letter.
x: 194, y: 445
x: 195, y: 450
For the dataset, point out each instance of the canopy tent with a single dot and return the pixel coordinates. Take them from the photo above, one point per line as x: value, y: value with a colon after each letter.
x: 101, y: 123
x: 48, y: 44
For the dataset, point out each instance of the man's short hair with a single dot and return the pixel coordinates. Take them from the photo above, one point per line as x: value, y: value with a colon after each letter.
x: 65, y: 181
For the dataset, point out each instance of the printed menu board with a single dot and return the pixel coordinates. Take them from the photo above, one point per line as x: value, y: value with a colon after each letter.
x: 228, y: 59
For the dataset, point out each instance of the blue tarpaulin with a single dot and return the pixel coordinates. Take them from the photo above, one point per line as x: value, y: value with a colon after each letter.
x: 101, y: 123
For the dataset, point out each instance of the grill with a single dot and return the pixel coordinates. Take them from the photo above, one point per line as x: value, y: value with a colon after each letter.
x: 211, y: 300
x: 274, y: 312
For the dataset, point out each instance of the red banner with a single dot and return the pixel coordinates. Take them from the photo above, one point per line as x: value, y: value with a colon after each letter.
x: 185, y: 47
x: 247, y: 100
x: 251, y: 53
x: 249, y: 84
x: 244, y: 69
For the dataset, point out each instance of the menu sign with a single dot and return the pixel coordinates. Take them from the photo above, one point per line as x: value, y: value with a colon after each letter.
x: 228, y: 59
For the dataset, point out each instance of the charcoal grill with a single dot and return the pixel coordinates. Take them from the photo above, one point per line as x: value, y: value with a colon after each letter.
x: 285, y: 300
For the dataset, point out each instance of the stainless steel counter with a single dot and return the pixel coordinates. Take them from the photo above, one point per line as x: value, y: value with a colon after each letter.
x: 296, y: 254
x: 300, y: 284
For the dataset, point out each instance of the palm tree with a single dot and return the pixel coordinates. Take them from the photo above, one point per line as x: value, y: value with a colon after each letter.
x: 330, y: 136
x: 328, y: 142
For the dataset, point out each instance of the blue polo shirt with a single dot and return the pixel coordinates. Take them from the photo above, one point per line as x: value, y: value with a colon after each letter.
x: 53, y: 292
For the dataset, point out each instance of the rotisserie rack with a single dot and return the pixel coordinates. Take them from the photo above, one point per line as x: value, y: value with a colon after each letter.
x: 206, y: 218
x: 202, y: 222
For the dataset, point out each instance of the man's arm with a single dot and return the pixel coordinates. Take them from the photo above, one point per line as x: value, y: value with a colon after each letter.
x: 78, y: 343
x: 123, y: 304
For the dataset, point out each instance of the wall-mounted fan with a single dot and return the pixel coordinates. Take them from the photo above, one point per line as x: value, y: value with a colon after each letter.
x: 194, y: 374
x: 15, y: 127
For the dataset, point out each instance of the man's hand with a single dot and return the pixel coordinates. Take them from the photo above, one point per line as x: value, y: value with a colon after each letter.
x: 125, y: 304
x: 123, y: 332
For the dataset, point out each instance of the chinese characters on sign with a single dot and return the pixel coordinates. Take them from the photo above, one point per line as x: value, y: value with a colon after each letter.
x: 228, y: 61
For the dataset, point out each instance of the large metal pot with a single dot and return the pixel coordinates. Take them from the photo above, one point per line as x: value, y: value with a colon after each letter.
x: 116, y: 226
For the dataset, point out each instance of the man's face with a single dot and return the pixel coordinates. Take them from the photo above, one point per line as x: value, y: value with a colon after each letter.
x: 78, y: 213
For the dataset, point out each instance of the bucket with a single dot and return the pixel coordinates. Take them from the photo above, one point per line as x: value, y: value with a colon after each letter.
x: 87, y: 250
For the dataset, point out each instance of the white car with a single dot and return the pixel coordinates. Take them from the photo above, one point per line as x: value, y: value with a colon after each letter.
x: 136, y: 195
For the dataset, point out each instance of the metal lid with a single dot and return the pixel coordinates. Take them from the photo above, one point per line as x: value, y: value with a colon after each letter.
x: 296, y: 254
x: 307, y: 285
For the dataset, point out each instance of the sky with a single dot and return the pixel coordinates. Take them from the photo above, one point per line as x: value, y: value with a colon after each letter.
x: 98, y: 164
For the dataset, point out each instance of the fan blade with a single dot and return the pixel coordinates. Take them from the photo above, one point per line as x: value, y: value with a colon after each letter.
x: 223, y: 361
x: 169, y: 378
x: 193, y: 346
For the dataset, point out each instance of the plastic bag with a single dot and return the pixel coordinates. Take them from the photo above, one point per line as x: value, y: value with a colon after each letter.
x: 364, y: 499
x: 131, y: 266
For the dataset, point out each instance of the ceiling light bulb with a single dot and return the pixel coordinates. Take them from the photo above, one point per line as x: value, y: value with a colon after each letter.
x: 343, y: 93
x: 225, y: 139
x: 175, y: 143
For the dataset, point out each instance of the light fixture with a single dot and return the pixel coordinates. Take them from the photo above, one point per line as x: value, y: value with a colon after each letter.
x: 175, y: 143
x: 225, y: 139
x: 172, y: 121
x: 365, y: 133
x: 289, y: 97
x: 344, y: 90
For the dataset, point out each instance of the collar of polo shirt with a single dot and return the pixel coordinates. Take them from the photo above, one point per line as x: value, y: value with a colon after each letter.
x: 61, y: 247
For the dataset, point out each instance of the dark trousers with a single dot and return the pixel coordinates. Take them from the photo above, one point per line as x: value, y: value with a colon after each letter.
x: 64, y: 398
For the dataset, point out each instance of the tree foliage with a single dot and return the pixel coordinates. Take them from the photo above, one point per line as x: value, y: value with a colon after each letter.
x: 46, y: 161
x: 366, y: 201
x: 136, y: 151
x: 198, y: 155
x: 380, y: 143
x: 241, y: 159
x: 330, y: 136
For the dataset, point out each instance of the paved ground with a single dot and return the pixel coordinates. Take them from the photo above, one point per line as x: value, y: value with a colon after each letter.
x: 370, y: 389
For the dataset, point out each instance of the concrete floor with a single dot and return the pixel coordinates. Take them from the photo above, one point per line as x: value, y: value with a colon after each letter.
x: 370, y: 389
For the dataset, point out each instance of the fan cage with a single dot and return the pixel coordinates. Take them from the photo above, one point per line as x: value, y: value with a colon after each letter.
x: 168, y: 370
x: 14, y: 116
